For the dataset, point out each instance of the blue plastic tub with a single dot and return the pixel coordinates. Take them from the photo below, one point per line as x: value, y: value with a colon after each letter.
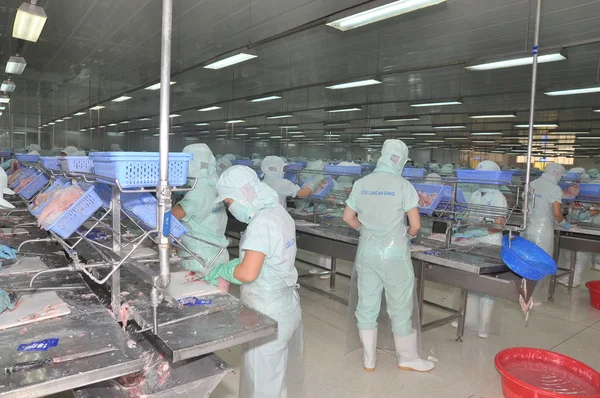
x: 34, y: 186
x: 139, y: 169
x: 50, y: 162
x: 430, y: 189
x: 413, y: 173
x: 142, y: 208
x: 322, y: 190
x: 23, y: 157
x: 336, y: 169
x: 564, y: 186
x: 571, y: 176
x: 242, y: 162
x: 526, y: 259
x: 77, y: 214
x: 447, y: 197
x: 484, y: 176
x: 60, y: 183
x: 589, y: 191
x: 26, y: 173
x: 76, y: 164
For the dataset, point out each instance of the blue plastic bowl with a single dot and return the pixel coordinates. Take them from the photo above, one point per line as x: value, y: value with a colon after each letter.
x: 526, y: 259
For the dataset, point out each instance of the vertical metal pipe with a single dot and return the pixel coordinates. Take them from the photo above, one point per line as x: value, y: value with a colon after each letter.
x: 163, y: 192
x: 536, y: 40
x: 115, y: 282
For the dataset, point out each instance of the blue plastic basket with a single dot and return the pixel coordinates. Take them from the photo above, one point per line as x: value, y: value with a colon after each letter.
x: 430, y: 189
x: 55, y: 186
x: 26, y: 173
x: 447, y: 197
x: 589, y: 191
x: 367, y: 168
x: 571, y: 176
x: 5, y: 154
x: 34, y: 186
x: 142, y: 208
x: 77, y: 214
x: 50, y: 162
x: 323, y: 189
x: 293, y: 167
x: 139, y: 169
x: 526, y: 259
x: 291, y: 176
x: 414, y: 173
x: 303, y: 164
x: 564, y: 186
x: 242, y: 162
x: 76, y: 164
x: 23, y: 157
x: 104, y: 192
x: 335, y: 169
x: 484, y: 176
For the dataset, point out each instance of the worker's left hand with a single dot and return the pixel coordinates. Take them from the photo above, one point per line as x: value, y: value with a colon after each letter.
x: 7, y: 253
x: 224, y: 271
x: 5, y: 301
x: 565, y: 225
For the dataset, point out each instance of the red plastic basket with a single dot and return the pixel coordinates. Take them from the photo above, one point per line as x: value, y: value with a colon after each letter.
x: 594, y: 287
x: 536, y: 373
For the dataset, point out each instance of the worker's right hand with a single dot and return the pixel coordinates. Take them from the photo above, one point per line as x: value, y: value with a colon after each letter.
x: 224, y: 271
x: 565, y: 225
x: 5, y: 301
x: 7, y: 253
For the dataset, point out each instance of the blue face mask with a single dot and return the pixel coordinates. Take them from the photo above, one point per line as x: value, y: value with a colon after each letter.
x: 240, y: 212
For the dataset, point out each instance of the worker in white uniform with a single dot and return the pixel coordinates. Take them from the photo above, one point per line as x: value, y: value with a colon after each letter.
x: 5, y: 190
x: 487, y: 205
x: 595, y: 219
x: 273, y: 168
x: 378, y: 206
x: 543, y: 217
x: 271, y: 367
x: 221, y: 165
x: 69, y: 151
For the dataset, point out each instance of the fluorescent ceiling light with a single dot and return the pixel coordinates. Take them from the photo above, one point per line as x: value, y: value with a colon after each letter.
x: 568, y: 132
x: 372, y: 135
x: 242, y: 134
x: 383, y: 129
x: 276, y: 136
x: 338, y: 109
x: 59, y: 120
x: 299, y: 136
x: 112, y: 124
x: 401, y: 119
x: 176, y: 127
x: 492, y: 116
x: 8, y: 86
x: 263, y: 133
x: 234, y: 121
x: 223, y: 62
x: 336, y: 124
x: 434, y: 141
x: 278, y: 115
x: 122, y: 98
x: 209, y: 108
x: 537, y: 126
x: 2, y: 107
x: 380, y: 13
x: 288, y: 126
x: 424, y: 134
x: 156, y: 86
x: 252, y: 128
x: 588, y: 138
x: 144, y: 118
x: 51, y: 124
x: 265, y: 98
x: 125, y: 122
x: 79, y: 114
x: 97, y: 107
x: 332, y: 135
x: 158, y: 134
x: 487, y: 133
x: 4, y: 99
x: 202, y: 124
x: 82, y: 129
x: 145, y: 129
x: 450, y: 126
x: 483, y: 141
x: 363, y: 139
x: 67, y: 118
x: 29, y: 22
x: 519, y: 59
x: 15, y: 65
x: 456, y: 138
x: 436, y: 103
x: 171, y: 116
x: 358, y: 83
x: 596, y: 110
x: 295, y: 132
x: 583, y: 90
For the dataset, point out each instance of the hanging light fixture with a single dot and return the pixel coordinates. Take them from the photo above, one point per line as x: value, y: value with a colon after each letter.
x: 29, y: 21
x: 15, y: 65
x: 8, y: 86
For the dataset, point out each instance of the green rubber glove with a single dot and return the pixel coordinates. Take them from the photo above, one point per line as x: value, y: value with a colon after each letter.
x: 224, y: 271
x: 7, y: 165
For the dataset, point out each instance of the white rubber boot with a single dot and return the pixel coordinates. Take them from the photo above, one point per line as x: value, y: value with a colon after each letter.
x: 368, y: 338
x: 408, y: 356
x: 485, y: 317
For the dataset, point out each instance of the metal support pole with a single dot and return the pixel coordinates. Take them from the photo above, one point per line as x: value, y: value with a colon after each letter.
x: 333, y: 274
x: 115, y: 282
x: 163, y: 193
x: 536, y: 40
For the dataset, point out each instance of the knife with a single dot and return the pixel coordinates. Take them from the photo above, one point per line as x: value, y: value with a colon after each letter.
x: 40, y: 363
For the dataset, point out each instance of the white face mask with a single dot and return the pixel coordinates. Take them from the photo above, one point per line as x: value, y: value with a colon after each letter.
x: 240, y: 212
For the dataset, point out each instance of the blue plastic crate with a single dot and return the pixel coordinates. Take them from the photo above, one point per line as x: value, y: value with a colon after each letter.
x: 34, y: 186
x: 564, y: 186
x: 447, y: 197
x: 23, y: 157
x: 142, y: 208
x: 291, y: 176
x: 334, y: 169
x: 430, y: 189
x: 25, y: 173
x: 76, y: 164
x: 57, y: 185
x: 367, y: 168
x: 589, y: 191
x: 303, y: 164
x: 242, y: 162
x: 50, y: 162
x: 322, y: 190
x: 5, y: 154
x: 293, y: 167
x: 77, y: 214
x: 139, y: 169
x: 484, y: 177
x: 104, y: 193
x: 571, y: 177
x: 413, y: 173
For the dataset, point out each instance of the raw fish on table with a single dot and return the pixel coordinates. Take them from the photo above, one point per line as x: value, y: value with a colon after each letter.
x: 571, y: 192
x: 425, y: 199
x: 59, y: 202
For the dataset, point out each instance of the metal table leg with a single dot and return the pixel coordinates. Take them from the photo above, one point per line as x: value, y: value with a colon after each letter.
x: 115, y: 282
x: 421, y: 287
x: 333, y: 272
x: 555, y: 256
x: 572, y: 271
x: 460, y: 330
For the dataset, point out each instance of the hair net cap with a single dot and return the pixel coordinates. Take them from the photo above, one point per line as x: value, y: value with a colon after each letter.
x: 555, y: 170
x: 203, y: 163
x: 115, y: 147
x: 273, y: 166
x: 222, y: 165
x: 229, y: 157
x: 593, y: 173
x: 70, y: 150
x: 433, y: 177
x: 447, y: 169
x: 579, y: 170
x: 488, y: 165
x: 395, y: 148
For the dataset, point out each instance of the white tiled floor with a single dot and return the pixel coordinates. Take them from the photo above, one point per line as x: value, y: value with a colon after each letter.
x: 568, y: 325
